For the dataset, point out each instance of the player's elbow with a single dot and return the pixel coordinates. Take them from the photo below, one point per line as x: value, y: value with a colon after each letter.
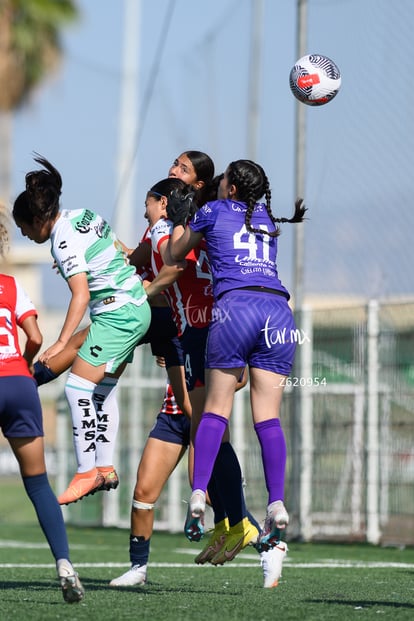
x: 176, y: 255
x: 33, y: 344
x: 37, y: 340
x: 180, y: 266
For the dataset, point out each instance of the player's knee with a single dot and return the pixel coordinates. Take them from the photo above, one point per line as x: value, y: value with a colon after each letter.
x: 142, y: 491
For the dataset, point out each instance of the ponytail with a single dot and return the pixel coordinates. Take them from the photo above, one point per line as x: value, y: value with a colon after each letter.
x: 41, y: 196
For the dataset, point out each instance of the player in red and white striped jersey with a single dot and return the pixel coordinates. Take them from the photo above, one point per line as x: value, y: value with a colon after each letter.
x: 21, y: 417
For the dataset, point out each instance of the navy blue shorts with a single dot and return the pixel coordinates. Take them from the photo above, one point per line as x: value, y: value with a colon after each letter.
x: 20, y: 409
x: 252, y: 328
x: 173, y: 353
x: 171, y: 428
x: 193, y: 341
x: 162, y: 336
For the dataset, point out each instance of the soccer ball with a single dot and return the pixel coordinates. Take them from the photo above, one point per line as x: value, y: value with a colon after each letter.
x: 315, y: 79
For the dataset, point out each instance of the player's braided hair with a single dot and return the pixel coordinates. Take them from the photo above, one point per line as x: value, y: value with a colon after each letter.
x: 41, y: 197
x: 252, y: 183
x: 4, y: 230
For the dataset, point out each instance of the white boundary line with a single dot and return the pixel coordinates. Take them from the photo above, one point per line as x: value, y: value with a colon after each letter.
x: 253, y: 558
x: 322, y: 565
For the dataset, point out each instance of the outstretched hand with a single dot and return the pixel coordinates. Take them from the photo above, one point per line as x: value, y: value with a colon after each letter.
x: 51, y: 351
x: 180, y: 207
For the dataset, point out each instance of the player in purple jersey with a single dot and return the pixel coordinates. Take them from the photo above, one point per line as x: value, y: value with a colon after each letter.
x: 193, y: 291
x: 252, y: 325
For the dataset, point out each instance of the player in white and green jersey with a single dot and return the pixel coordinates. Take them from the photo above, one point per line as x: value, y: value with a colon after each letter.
x: 90, y: 258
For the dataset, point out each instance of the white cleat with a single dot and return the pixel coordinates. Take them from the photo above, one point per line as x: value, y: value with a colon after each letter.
x: 272, y: 561
x: 135, y: 576
x: 72, y: 589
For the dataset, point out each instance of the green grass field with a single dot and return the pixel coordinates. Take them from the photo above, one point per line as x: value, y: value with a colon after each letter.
x: 319, y: 581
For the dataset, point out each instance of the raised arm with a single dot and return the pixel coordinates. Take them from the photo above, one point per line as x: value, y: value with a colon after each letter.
x: 182, y: 240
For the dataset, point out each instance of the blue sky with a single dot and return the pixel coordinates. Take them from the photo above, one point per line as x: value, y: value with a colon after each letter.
x: 359, y: 147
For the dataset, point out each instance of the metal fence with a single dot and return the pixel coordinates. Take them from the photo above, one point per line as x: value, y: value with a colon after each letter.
x: 348, y: 418
x: 352, y: 441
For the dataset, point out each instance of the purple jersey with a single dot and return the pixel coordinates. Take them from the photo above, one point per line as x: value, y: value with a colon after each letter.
x: 238, y: 258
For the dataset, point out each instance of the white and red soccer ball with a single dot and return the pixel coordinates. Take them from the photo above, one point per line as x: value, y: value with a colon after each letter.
x: 315, y: 79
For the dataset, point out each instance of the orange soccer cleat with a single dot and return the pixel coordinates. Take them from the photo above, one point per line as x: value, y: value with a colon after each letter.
x: 111, y: 477
x: 83, y: 484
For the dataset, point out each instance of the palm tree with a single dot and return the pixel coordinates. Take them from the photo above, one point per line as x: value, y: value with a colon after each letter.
x: 30, y: 48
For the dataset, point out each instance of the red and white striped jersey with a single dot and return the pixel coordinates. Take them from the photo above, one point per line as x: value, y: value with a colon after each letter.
x: 191, y: 296
x: 15, y: 307
x: 169, y: 405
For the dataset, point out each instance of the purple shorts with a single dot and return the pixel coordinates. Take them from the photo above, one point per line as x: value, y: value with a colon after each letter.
x: 173, y: 428
x: 252, y: 328
x: 20, y: 409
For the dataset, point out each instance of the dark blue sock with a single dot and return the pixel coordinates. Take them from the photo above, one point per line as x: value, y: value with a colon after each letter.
x: 215, y: 499
x: 42, y: 374
x: 227, y: 474
x: 48, y: 513
x: 139, y: 549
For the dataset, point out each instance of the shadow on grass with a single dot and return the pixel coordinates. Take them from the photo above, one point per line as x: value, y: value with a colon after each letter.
x: 93, y: 584
x: 31, y: 591
x: 152, y: 587
x: 361, y: 603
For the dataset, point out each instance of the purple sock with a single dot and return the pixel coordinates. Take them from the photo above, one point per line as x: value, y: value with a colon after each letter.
x: 273, y: 445
x: 206, y: 446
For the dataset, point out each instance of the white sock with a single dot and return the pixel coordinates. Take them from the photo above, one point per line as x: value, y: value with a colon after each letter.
x: 107, y: 416
x: 79, y: 393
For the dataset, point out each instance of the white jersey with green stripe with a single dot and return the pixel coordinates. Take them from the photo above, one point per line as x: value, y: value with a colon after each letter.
x: 82, y: 241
